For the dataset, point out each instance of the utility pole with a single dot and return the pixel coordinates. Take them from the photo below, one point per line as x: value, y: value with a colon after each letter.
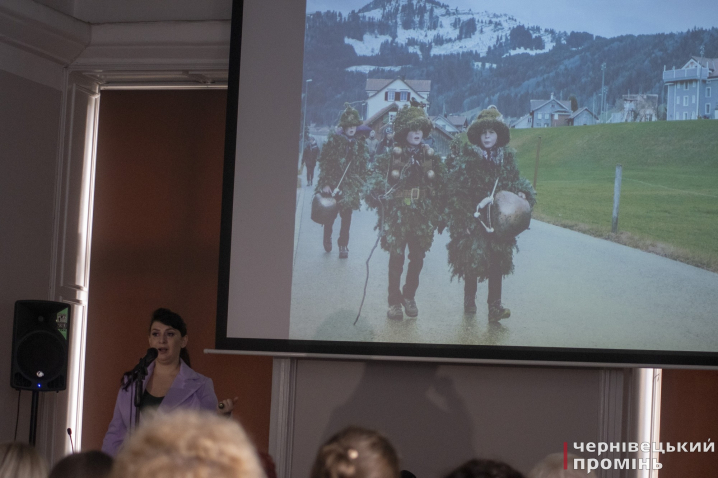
x: 603, y: 91
x: 304, y: 118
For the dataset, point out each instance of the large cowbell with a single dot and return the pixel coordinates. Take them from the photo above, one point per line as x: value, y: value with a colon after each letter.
x: 324, y: 209
x: 511, y: 215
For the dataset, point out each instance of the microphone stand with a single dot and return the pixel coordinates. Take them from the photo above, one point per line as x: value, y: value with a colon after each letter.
x: 138, y: 377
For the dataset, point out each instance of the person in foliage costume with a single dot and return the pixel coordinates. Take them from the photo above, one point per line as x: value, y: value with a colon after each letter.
x: 404, y: 188
x: 477, y: 159
x: 343, y: 164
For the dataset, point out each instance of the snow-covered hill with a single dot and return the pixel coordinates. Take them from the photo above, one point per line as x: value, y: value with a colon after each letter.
x: 447, y: 30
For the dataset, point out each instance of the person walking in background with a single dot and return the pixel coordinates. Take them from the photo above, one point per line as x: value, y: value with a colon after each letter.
x: 343, y: 170
x: 372, y: 144
x: 309, y: 158
x: 481, y: 163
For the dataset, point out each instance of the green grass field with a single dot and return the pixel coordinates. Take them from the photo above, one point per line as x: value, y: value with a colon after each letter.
x: 669, y: 196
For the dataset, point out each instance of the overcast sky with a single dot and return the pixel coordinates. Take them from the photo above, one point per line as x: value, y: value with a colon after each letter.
x: 607, y: 18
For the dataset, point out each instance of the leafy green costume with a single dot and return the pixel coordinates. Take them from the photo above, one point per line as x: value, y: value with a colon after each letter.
x: 470, y: 179
x: 343, y: 164
x: 337, y: 153
x: 404, y: 217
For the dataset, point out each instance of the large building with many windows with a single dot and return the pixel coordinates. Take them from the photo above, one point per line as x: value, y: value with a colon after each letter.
x: 691, y: 90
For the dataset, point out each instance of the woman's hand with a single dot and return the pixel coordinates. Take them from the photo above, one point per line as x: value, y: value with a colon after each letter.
x: 326, y: 191
x: 226, y: 406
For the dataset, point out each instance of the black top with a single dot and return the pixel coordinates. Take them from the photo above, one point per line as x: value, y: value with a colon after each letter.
x: 150, y: 401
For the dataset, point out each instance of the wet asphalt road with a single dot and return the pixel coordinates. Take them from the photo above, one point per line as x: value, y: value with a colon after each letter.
x: 568, y: 290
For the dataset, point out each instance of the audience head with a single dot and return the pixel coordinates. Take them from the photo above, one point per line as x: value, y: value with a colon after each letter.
x: 188, y: 444
x: 88, y: 464
x: 552, y: 467
x: 19, y: 460
x: 356, y: 453
x: 484, y: 469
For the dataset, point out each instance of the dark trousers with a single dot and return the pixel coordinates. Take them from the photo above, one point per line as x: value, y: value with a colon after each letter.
x: 396, y: 267
x: 346, y: 215
x: 310, y: 172
x: 495, y: 279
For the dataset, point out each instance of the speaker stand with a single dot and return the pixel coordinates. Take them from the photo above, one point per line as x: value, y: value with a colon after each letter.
x: 33, y: 416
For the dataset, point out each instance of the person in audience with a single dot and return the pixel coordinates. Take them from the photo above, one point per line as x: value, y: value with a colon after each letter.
x: 188, y: 444
x: 19, y: 460
x: 484, y: 469
x: 356, y: 453
x: 88, y: 464
x: 552, y: 467
x: 170, y: 382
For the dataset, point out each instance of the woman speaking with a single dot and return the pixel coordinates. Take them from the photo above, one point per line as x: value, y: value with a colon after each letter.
x: 170, y: 382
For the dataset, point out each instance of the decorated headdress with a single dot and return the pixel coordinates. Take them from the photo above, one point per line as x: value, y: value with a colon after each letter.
x: 411, y: 118
x: 490, y: 118
x: 349, y: 117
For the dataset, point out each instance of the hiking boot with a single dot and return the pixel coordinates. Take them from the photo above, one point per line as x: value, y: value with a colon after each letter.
x: 498, y: 312
x: 469, y: 304
x: 343, y: 252
x: 328, y: 244
x: 410, y: 307
x: 395, y: 312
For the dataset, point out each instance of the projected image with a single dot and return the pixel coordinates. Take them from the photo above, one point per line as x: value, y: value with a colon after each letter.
x: 528, y: 173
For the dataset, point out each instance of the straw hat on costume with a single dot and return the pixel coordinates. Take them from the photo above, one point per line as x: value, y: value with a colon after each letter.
x: 349, y: 117
x: 411, y: 118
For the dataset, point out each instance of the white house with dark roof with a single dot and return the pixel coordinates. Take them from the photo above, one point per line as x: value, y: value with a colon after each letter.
x: 692, y: 90
x: 582, y: 117
x: 443, y: 123
x: 547, y: 113
x: 460, y: 122
x: 382, y: 93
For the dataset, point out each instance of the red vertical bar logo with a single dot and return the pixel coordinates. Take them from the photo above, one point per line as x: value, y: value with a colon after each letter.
x: 565, y: 455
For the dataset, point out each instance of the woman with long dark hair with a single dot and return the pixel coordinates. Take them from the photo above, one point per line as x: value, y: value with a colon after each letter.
x: 170, y: 383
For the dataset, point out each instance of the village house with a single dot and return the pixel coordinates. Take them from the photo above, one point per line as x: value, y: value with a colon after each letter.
x: 382, y: 93
x: 690, y: 90
x: 548, y: 113
x: 460, y: 122
x: 582, y: 117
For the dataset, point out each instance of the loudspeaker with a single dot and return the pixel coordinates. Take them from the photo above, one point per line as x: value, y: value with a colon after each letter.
x: 40, y: 345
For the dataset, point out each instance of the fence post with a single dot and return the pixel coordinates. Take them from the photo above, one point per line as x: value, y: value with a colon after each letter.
x: 616, y: 198
x: 538, y: 149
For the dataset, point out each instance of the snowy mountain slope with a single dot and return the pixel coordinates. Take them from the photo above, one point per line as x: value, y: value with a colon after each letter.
x: 447, y: 30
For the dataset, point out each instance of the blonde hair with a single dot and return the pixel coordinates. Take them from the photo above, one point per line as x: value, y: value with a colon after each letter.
x: 188, y: 444
x: 356, y: 453
x: 18, y: 460
x: 552, y: 467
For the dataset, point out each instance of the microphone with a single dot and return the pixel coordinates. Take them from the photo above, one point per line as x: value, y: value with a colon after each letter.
x: 151, y: 354
x: 72, y: 445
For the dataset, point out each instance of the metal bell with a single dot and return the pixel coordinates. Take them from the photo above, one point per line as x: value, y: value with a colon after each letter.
x: 324, y: 209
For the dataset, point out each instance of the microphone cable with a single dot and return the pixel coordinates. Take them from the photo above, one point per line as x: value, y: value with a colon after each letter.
x: 17, y: 414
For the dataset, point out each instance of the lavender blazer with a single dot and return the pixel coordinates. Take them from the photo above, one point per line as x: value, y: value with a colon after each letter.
x: 189, y: 390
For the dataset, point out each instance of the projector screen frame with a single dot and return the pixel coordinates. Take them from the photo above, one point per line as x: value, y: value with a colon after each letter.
x: 378, y: 350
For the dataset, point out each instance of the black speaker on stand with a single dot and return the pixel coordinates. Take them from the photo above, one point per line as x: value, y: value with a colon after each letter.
x: 39, y: 350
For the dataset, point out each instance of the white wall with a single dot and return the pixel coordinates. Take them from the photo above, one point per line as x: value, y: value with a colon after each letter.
x: 439, y: 416
x: 113, y: 11
x: 29, y: 125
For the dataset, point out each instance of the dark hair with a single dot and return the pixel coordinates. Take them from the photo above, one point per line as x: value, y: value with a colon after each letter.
x: 356, y: 453
x: 88, y: 464
x: 484, y: 469
x: 170, y: 319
